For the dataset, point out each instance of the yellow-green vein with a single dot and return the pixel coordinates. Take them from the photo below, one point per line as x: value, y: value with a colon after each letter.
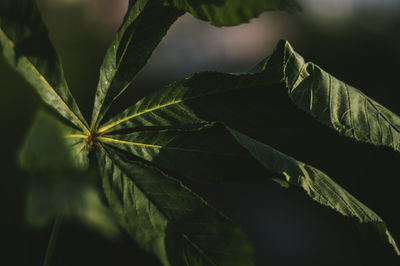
x: 109, y: 82
x: 45, y: 82
x: 105, y: 128
x: 80, y: 149
x: 131, y: 143
x: 105, y: 139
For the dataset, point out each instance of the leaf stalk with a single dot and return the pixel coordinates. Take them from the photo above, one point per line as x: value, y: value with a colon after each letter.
x: 52, y: 240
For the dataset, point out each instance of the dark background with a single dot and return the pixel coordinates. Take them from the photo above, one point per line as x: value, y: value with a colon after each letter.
x: 358, y: 43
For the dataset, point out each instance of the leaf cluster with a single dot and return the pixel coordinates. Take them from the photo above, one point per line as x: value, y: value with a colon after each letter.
x: 210, y: 127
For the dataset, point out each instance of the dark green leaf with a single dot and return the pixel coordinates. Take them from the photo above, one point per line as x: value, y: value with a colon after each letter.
x: 71, y: 196
x: 338, y: 105
x: 145, y: 23
x: 48, y: 149
x: 239, y: 100
x: 26, y: 46
x: 232, y: 12
x: 205, y: 96
x: 166, y: 218
x: 315, y: 183
x: 207, y: 153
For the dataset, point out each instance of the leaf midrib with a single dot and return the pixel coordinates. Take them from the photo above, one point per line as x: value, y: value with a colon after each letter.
x: 154, y: 146
x: 369, y: 100
x: 46, y: 83
x: 115, y: 72
x: 106, y: 127
x: 185, y: 236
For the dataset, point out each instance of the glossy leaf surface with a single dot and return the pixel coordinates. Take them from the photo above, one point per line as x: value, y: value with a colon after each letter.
x: 232, y: 12
x: 145, y: 23
x: 166, y: 218
x: 26, y: 46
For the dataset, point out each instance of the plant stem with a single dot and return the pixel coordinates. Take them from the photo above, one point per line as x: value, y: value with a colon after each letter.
x: 52, y: 240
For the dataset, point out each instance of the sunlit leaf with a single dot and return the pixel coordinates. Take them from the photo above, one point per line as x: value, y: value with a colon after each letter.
x: 145, y: 23
x: 211, y: 127
x: 26, y: 46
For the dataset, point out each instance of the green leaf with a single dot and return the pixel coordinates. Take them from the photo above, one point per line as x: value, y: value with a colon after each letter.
x: 71, y: 196
x: 166, y: 218
x: 239, y: 100
x: 57, y: 184
x: 145, y: 23
x: 315, y: 183
x: 26, y: 46
x: 338, y: 105
x: 47, y: 151
x: 233, y: 12
x: 204, y: 97
x: 207, y: 153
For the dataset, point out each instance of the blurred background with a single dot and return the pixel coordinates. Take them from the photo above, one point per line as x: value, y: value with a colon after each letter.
x: 355, y: 40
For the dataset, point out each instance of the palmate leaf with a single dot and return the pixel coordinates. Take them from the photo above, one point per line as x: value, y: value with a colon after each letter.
x: 145, y: 23
x: 166, y: 218
x: 232, y: 12
x: 234, y: 98
x: 216, y: 96
x: 148, y: 21
x: 26, y: 46
x: 202, y: 155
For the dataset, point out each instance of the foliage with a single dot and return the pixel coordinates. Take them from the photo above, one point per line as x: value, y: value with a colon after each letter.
x: 195, y: 128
